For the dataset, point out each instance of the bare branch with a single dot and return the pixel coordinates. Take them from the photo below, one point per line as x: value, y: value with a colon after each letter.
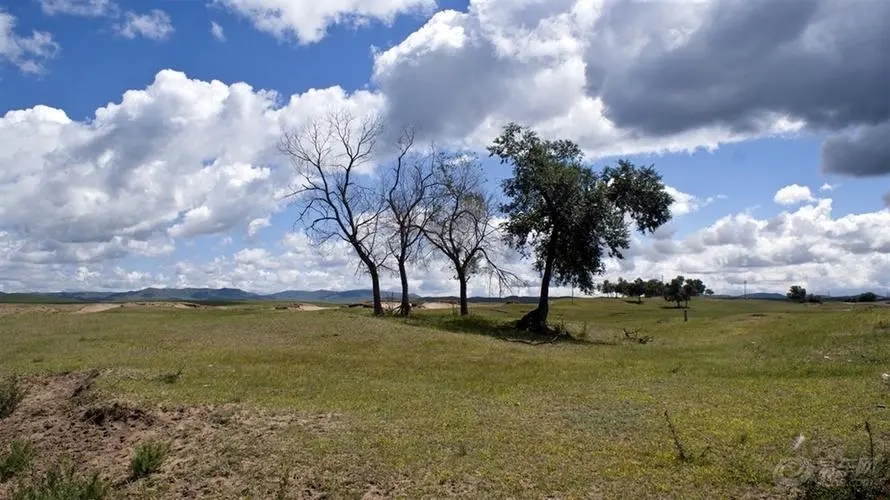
x: 326, y: 155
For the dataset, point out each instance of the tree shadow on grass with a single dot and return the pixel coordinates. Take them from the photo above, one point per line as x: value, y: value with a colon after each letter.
x: 499, y: 329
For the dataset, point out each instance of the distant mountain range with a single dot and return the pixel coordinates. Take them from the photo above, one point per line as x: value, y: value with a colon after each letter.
x: 237, y: 295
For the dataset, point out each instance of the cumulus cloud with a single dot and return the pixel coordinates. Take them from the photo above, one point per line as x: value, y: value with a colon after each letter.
x: 625, y: 76
x: 28, y: 53
x: 180, y: 158
x: 217, y: 31
x: 309, y: 20
x: 828, y: 187
x: 861, y: 152
x: 86, y: 8
x: 793, y: 194
x: 155, y: 25
x: 685, y: 203
x: 529, y: 62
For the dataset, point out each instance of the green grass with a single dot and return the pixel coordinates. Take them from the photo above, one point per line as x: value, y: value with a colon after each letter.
x: 15, y: 459
x: 148, y: 458
x: 443, y: 405
x: 62, y: 481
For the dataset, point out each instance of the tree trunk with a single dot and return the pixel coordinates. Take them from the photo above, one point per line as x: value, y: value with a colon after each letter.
x: 536, y: 319
x: 464, y: 306
x: 405, y: 310
x: 375, y: 290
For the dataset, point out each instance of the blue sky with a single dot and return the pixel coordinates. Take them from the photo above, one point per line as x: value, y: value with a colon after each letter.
x: 726, y: 141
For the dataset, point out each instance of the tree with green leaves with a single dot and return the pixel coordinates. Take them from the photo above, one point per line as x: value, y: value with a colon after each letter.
x: 797, y: 293
x: 607, y: 287
x: 568, y: 216
x: 654, y: 288
x: 637, y: 288
x: 681, y: 289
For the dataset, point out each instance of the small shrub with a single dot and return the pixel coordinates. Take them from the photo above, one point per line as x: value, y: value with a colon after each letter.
x: 583, y: 335
x: 148, y: 458
x: 62, y: 482
x: 17, y: 459
x: 11, y: 394
x: 171, y: 378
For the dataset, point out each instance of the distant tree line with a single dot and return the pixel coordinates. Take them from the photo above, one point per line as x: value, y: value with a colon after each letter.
x: 798, y: 293
x: 679, y: 289
x: 394, y: 203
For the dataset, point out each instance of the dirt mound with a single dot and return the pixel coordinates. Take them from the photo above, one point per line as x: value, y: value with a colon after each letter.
x: 436, y: 305
x: 300, y: 307
x: 17, y: 309
x: 216, y: 451
x: 96, y: 308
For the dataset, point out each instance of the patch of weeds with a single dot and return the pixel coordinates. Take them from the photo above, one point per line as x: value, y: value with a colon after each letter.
x: 583, y: 335
x: 11, y: 395
x: 17, y: 459
x: 634, y: 336
x: 867, y: 477
x: 148, y: 458
x: 62, y: 482
x: 170, y: 378
x: 283, y: 487
x: 683, y: 454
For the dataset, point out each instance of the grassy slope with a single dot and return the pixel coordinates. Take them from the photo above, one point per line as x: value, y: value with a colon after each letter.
x: 451, y: 412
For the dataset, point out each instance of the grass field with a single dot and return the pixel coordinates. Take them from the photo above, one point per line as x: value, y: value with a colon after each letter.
x: 338, y: 404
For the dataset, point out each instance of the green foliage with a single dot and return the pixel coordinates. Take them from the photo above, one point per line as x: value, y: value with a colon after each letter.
x: 654, y: 288
x: 17, y: 459
x: 681, y: 289
x: 567, y: 216
x: 797, y: 293
x: 62, y: 482
x: 867, y: 297
x: 11, y: 395
x: 148, y: 458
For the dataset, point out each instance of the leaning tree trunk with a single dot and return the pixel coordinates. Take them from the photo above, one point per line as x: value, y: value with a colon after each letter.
x: 536, y: 319
x: 464, y: 305
x: 405, y: 309
x: 375, y: 290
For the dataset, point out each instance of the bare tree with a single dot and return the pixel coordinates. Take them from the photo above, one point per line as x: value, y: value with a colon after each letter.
x: 410, y: 185
x: 328, y: 154
x: 461, y: 223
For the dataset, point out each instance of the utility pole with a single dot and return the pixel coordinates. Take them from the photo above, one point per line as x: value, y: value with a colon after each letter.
x: 746, y: 289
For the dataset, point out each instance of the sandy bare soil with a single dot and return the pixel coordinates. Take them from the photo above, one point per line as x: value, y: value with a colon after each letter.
x: 436, y: 305
x: 95, y: 308
x: 216, y: 452
x: 301, y: 307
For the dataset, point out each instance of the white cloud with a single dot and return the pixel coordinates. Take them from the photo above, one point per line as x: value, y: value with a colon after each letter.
x: 793, y: 194
x: 256, y: 225
x: 87, y: 8
x: 309, y: 20
x: 28, y: 53
x: 180, y: 158
x: 217, y: 31
x: 806, y: 246
x: 155, y: 25
x: 828, y: 187
x: 685, y: 203
x: 464, y: 74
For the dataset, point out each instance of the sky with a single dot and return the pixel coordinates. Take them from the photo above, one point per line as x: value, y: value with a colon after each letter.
x: 138, y: 139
